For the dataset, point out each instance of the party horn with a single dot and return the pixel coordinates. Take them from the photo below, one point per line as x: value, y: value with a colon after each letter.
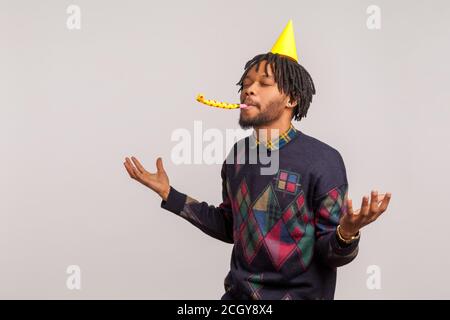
x: 219, y: 104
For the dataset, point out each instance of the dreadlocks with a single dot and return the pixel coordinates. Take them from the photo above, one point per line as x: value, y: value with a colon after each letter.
x: 291, y: 78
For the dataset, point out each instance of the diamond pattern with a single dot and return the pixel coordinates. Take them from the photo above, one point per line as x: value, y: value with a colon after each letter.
x: 254, y: 282
x: 243, y: 200
x: 296, y: 210
x: 279, y: 244
x: 267, y: 210
x: 282, y: 233
x: 306, y: 244
x: 250, y: 237
x: 287, y: 296
x: 300, y: 223
x: 332, y: 206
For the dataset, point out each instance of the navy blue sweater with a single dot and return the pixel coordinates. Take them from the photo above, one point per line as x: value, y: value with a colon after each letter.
x: 282, y: 225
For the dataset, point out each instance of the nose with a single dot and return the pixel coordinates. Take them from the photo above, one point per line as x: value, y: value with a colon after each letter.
x: 249, y: 91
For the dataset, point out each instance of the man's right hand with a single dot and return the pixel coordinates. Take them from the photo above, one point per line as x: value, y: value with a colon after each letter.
x: 158, y: 182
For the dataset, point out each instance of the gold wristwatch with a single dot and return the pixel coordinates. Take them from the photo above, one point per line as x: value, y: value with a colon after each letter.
x: 347, y: 241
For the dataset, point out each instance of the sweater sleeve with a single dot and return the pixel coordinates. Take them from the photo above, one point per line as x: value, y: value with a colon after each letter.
x: 217, y: 222
x: 329, y: 205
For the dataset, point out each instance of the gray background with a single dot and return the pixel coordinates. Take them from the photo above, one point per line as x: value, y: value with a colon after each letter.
x: 73, y: 104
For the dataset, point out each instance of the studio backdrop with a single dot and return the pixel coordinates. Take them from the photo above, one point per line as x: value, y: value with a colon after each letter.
x: 85, y: 84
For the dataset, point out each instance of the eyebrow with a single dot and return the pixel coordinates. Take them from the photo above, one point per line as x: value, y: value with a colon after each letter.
x: 264, y: 75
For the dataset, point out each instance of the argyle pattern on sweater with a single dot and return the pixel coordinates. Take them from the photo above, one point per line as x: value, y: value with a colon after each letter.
x: 282, y: 226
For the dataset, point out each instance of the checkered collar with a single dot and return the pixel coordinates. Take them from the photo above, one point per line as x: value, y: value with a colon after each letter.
x: 276, y: 143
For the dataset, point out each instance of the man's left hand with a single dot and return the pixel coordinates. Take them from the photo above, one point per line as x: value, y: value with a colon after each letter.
x: 352, y: 221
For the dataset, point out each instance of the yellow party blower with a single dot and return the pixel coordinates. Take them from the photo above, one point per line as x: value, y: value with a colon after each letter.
x: 218, y: 104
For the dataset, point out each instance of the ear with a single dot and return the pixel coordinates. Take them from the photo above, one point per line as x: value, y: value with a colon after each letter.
x: 291, y: 103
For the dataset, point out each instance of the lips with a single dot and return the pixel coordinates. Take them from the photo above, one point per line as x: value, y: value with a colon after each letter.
x: 246, y: 107
x: 248, y: 104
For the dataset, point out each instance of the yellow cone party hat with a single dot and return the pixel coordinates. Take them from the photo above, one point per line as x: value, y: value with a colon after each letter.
x: 285, y: 44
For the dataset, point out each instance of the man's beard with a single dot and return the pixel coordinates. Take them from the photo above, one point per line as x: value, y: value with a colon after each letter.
x: 272, y: 113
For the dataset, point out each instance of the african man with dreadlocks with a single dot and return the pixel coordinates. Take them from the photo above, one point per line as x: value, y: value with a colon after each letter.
x: 292, y: 229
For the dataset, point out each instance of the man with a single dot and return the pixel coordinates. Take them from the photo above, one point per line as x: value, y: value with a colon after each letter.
x: 291, y: 229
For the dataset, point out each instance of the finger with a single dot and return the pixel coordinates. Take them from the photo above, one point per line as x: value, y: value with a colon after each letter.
x: 135, y: 171
x: 159, y: 165
x: 364, y: 206
x: 385, y: 202
x: 349, y: 212
x: 138, y: 165
x: 382, y: 208
x: 381, y: 196
x: 373, y: 202
x: 129, y: 170
x: 350, y: 207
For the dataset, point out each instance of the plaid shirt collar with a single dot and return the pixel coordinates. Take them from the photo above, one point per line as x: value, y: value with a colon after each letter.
x: 276, y: 143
